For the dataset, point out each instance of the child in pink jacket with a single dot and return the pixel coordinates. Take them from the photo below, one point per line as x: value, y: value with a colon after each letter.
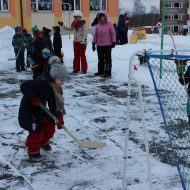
x: 105, y: 40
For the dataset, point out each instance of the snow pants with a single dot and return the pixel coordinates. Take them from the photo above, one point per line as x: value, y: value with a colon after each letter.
x: 20, y: 65
x: 104, y: 59
x: 36, y: 139
x: 79, y: 57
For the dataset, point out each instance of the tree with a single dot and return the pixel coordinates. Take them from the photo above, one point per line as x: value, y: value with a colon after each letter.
x: 154, y: 11
x: 139, y: 10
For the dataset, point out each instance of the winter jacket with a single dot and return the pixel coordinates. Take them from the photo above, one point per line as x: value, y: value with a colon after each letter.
x: 29, y: 42
x: 29, y: 114
x: 104, y: 34
x: 121, y: 26
x: 80, y: 34
x: 38, y: 45
x: 18, y: 42
x: 57, y: 42
x: 41, y: 70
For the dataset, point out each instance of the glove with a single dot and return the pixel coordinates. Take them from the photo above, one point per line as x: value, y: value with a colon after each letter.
x: 60, y: 122
x: 35, y: 101
x: 93, y: 47
x: 113, y: 45
x: 83, y: 46
x: 60, y: 23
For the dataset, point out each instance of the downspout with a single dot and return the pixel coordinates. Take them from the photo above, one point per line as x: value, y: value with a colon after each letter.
x: 21, y: 14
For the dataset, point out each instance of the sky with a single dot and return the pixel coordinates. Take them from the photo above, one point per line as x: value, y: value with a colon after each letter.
x: 129, y: 4
x: 96, y: 110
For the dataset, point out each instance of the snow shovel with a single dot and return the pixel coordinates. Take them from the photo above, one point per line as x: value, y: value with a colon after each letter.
x: 87, y: 144
x: 15, y: 58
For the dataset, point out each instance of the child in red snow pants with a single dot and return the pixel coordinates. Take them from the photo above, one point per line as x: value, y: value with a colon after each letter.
x: 37, y: 139
x: 79, y: 57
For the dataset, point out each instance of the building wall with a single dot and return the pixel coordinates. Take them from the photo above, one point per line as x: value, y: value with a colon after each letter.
x: 175, y: 17
x: 13, y: 16
x: 50, y: 18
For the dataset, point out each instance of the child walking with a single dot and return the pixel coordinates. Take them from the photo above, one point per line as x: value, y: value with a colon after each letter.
x: 32, y: 118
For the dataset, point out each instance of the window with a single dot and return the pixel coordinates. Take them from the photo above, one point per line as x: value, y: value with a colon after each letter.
x: 176, y: 17
x: 74, y: 5
x: 168, y: 5
x: 97, y: 5
x: 168, y: 17
x: 176, y: 4
x: 41, y: 5
x: 4, y: 5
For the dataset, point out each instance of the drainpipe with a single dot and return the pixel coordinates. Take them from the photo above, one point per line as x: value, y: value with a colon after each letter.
x: 21, y: 14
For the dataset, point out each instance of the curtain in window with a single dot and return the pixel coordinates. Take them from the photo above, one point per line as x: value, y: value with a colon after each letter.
x: 66, y: 3
x: 97, y: 5
x: 5, y: 4
x: 45, y: 5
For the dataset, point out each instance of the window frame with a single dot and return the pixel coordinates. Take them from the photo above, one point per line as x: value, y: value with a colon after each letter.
x: 36, y: 3
x: 100, y: 5
x: 74, y: 2
x: 4, y: 10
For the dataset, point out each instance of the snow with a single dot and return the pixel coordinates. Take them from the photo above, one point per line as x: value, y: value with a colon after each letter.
x: 96, y: 111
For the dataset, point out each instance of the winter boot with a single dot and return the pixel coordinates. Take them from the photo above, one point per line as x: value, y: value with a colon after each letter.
x: 46, y: 147
x: 36, y: 157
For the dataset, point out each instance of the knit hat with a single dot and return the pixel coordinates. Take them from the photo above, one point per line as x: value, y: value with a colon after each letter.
x: 18, y: 29
x: 59, y: 71
x: 77, y: 13
x: 46, y: 51
x: 54, y: 60
x: 35, y: 28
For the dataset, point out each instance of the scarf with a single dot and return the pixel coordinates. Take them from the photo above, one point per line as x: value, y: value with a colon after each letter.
x: 77, y: 24
x: 59, y: 100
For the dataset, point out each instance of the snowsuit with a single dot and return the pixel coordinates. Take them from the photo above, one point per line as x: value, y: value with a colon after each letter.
x: 79, y: 45
x: 121, y: 30
x: 104, y: 38
x: 32, y: 118
x: 46, y: 41
x: 57, y: 42
x: 18, y: 42
x: 42, y: 69
x: 29, y: 41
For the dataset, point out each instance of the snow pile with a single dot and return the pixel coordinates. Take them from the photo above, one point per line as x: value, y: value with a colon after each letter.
x: 6, y: 49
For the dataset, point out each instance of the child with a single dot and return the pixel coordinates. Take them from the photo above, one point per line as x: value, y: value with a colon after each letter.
x: 28, y: 45
x: 80, y: 41
x: 41, y: 67
x: 18, y: 42
x: 57, y: 42
x: 32, y: 118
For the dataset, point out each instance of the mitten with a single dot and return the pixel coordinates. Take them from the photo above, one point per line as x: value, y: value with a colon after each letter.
x: 35, y: 101
x: 60, y: 122
x: 60, y: 23
x: 113, y: 45
x: 93, y: 47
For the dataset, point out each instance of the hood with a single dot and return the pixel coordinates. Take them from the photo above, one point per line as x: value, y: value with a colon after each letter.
x: 105, y: 13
